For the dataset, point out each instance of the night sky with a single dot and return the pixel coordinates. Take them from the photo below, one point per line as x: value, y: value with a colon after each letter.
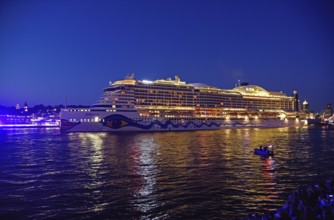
x: 50, y: 50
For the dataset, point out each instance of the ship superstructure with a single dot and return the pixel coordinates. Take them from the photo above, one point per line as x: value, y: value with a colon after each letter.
x: 171, y: 104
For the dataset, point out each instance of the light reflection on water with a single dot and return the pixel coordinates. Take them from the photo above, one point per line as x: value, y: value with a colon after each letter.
x: 200, y: 174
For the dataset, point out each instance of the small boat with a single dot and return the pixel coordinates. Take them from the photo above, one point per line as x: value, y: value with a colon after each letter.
x: 264, y: 151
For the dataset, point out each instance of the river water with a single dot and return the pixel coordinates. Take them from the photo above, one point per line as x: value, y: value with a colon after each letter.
x: 158, y: 175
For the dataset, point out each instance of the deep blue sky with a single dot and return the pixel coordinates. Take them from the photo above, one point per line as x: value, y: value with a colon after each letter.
x: 54, y: 49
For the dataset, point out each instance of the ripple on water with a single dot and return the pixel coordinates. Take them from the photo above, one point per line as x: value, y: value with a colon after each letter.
x: 197, y: 175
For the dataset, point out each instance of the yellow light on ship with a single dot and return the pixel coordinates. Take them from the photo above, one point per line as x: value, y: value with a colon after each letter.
x: 282, y: 116
x: 96, y: 119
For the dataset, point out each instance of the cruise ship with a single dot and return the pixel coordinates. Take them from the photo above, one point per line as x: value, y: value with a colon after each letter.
x: 171, y: 104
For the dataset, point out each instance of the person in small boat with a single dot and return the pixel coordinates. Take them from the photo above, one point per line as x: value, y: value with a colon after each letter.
x: 265, y: 149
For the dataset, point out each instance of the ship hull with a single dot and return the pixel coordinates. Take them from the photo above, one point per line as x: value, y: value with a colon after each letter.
x: 104, y: 122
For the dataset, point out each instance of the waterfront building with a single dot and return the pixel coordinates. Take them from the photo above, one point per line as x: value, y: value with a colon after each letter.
x: 25, y: 107
x: 305, y: 106
x: 38, y: 116
x: 329, y: 109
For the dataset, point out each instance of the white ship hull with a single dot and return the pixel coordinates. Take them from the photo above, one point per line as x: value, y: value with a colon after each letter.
x: 107, y: 122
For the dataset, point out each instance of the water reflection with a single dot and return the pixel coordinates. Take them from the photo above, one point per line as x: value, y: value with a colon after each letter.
x: 92, y: 145
x: 269, y: 178
x: 191, y: 175
x: 145, y: 166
